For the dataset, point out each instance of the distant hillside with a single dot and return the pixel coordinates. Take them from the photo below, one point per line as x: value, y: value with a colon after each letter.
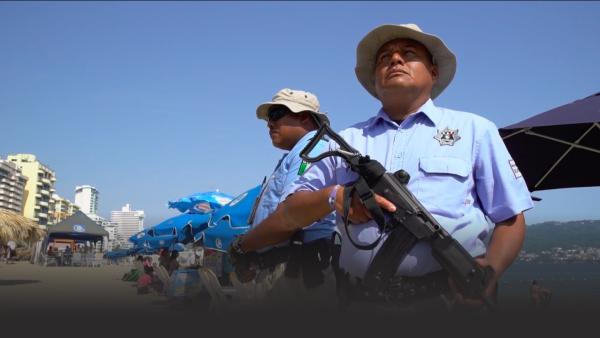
x: 547, y: 235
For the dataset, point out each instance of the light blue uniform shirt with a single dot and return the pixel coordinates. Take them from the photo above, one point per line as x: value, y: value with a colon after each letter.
x: 460, y: 170
x: 286, y: 172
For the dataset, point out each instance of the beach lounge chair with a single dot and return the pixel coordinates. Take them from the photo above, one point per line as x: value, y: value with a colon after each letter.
x: 220, y: 298
x: 245, y: 292
x: 50, y: 260
x: 76, y: 259
x: 163, y: 276
x: 97, y: 259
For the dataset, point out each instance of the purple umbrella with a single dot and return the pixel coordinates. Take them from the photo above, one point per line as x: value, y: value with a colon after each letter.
x: 559, y: 148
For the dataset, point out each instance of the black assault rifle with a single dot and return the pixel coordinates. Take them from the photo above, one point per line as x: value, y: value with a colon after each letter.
x: 410, y: 223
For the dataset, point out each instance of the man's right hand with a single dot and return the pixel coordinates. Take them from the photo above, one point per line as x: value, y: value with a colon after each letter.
x: 358, y: 213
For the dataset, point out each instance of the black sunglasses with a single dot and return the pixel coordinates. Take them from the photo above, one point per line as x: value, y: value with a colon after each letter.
x: 276, y: 113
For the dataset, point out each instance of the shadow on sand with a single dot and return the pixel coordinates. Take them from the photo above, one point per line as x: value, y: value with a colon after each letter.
x: 10, y: 282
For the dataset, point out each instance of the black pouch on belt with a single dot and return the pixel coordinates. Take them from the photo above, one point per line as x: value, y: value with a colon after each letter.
x: 292, y: 268
x: 316, y: 257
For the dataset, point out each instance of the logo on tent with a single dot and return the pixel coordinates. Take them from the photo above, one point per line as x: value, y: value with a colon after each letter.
x: 78, y: 228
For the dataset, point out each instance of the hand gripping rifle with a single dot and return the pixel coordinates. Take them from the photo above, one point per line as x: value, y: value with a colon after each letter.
x: 410, y: 223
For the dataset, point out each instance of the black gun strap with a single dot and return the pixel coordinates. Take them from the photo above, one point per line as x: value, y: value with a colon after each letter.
x: 368, y: 198
x: 348, y: 192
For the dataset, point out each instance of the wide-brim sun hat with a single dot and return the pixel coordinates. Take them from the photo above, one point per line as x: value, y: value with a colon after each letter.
x: 368, y: 47
x: 296, y: 101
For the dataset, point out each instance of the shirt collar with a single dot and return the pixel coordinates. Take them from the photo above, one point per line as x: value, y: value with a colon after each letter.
x: 302, y: 142
x: 428, y: 109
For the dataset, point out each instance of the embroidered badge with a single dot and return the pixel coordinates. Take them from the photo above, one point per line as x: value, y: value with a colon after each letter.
x: 447, y: 137
x: 515, y: 169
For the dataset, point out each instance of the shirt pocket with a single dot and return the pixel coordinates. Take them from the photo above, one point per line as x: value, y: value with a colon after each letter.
x: 279, y: 182
x: 444, y: 184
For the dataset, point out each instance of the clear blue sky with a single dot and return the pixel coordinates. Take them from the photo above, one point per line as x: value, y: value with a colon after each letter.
x: 152, y: 101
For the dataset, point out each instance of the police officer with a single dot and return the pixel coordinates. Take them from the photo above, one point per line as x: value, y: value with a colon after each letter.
x: 459, y: 167
x: 292, y: 118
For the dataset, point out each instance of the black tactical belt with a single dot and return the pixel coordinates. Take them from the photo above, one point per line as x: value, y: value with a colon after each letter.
x: 400, y: 290
x: 307, y: 260
x: 273, y: 257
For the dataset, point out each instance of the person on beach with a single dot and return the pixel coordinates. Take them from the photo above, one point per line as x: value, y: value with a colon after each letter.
x: 173, y: 263
x: 2, y: 253
x: 11, y: 251
x: 459, y: 168
x: 292, y: 117
x: 67, y: 255
x: 163, y: 258
x: 538, y: 295
x: 146, y: 279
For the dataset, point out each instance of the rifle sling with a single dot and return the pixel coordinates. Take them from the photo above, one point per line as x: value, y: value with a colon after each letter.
x: 394, y: 249
x: 369, y: 204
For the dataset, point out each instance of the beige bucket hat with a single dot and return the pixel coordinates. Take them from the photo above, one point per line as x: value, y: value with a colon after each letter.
x: 295, y: 100
x: 372, y: 42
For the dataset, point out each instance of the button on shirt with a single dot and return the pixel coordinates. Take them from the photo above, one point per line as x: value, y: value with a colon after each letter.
x: 460, y: 170
x: 288, y: 170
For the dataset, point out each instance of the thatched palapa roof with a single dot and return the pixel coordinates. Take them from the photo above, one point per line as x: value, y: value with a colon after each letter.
x: 17, y: 227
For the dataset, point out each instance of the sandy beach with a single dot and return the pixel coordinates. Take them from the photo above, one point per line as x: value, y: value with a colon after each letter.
x: 56, y: 298
x: 25, y: 286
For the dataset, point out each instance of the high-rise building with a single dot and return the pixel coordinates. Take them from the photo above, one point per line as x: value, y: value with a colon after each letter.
x: 39, y: 187
x: 128, y: 222
x: 86, y: 198
x: 60, y: 209
x: 12, y: 187
x: 110, y: 227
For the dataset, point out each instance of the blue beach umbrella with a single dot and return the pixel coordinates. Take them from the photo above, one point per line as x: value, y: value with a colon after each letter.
x: 120, y: 253
x: 183, y: 226
x: 165, y: 241
x: 151, y: 245
x: 229, y: 221
x: 203, y: 202
x: 143, y: 250
x: 141, y: 236
x: 178, y: 229
x: 192, y: 225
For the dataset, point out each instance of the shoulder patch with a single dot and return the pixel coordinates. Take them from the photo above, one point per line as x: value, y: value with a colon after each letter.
x: 515, y: 169
x: 303, y: 167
